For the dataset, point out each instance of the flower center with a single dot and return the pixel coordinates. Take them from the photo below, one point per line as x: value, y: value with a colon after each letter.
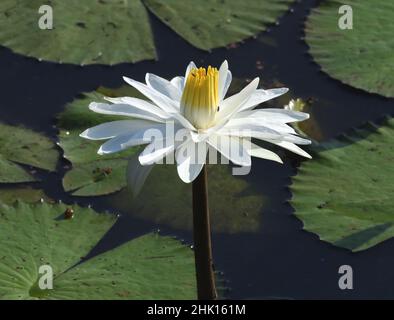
x: 200, y: 97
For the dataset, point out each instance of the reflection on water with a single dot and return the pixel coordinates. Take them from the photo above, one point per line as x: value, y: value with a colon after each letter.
x: 235, y: 205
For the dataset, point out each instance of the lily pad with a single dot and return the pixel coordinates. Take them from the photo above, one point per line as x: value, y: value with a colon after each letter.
x: 116, y: 31
x: 91, y: 174
x: 23, y: 146
x: 88, y: 32
x: 208, y: 24
x: 235, y: 206
x: 26, y: 194
x: 360, y: 57
x: 149, y: 267
x: 345, y: 194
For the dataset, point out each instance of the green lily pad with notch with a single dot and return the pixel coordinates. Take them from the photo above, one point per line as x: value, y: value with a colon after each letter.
x: 91, y: 174
x: 235, y: 205
x: 208, y: 24
x: 19, y: 145
x: 117, y: 31
x: 148, y: 267
x: 360, y: 57
x: 345, y: 193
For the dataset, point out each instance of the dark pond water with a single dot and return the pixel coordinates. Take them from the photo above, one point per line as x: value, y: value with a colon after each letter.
x: 280, y: 260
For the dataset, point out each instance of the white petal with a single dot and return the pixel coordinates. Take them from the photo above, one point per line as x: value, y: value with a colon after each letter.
x: 232, y: 148
x: 259, y: 152
x: 260, y: 96
x: 155, y: 152
x: 190, y: 66
x: 118, y: 144
x: 249, y: 131
x: 225, y: 78
x: 183, y: 121
x: 178, y: 82
x: 123, y: 110
x: 254, y: 125
x: 112, y: 129
x: 158, y: 98
x: 227, y: 84
x: 133, y: 138
x: 190, y: 158
x: 139, y: 104
x: 234, y: 103
x: 286, y: 137
x: 267, y: 131
x: 293, y: 148
x: 163, y: 86
x: 274, y: 115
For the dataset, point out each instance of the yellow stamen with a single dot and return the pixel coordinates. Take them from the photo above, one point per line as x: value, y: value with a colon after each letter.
x: 200, y: 98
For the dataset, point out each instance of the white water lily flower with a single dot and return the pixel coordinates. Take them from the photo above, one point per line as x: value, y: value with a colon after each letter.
x: 196, y: 104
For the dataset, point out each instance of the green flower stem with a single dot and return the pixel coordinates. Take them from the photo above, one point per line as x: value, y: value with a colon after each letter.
x: 202, y: 239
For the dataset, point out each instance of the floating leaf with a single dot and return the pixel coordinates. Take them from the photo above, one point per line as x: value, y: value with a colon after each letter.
x: 149, y: 267
x: 92, y: 174
x: 360, y: 57
x: 88, y: 32
x: 116, y: 31
x: 234, y: 205
x: 23, y: 146
x: 208, y: 24
x: 26, y: 194
x: 345, y: 193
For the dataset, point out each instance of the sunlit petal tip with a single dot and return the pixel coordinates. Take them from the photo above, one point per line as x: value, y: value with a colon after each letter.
x: 224, y: 65
x: 190, y: 66
x: 128, y: 80
x: 307, y: 155
x: 279, y: 91
x: 185, y: 179
x: 148, y: 76
x: 84, y: 134
x: 254, y: 83
x: 142, y: 160
x: 190, y: 176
